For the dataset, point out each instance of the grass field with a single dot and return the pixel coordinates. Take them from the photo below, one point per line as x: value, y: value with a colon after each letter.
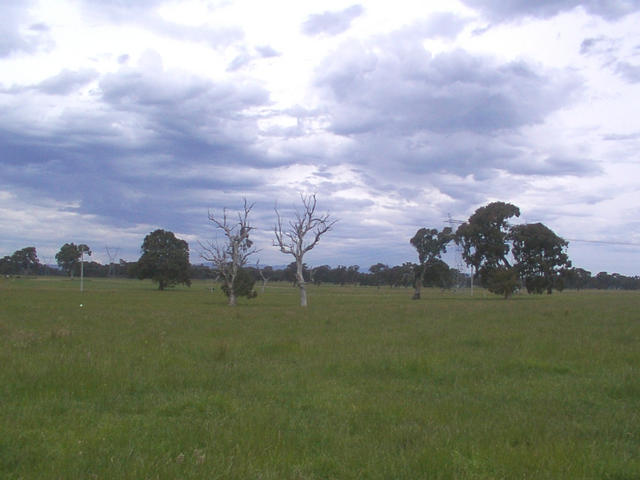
x: 365, y: 383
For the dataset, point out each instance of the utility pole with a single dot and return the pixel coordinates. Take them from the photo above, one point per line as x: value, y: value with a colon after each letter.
x: 81, y: 270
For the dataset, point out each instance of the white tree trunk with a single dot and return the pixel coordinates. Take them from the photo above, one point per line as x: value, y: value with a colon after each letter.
x: 301, y: 284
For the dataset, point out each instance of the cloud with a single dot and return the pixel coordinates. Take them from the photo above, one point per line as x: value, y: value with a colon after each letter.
x: 142, y: 13
x: 18, y: 33
x: 66, y: 81
x: 499, y: 10
x: 628, y: 71
x: 442, y: 24
x: 143, y: 133
x: 265, y: 51
x: 400, y: 87
x: 331, y: 23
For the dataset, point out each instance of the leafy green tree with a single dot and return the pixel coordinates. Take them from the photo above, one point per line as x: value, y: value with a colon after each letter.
x: 502, y: 280
x: 430, y: 244
x: 577, y: 278
x: 68, y: 257
x: 26, y: 260
x: 243, y: 284
x: 380, y: 273
x: 438, y: 274
x: 484, y: 240
x: 7, y: 266
x: 540, y: 255
x: 320, y: 274
x: 164, y: 259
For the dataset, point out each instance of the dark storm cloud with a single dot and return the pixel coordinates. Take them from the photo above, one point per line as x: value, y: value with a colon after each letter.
x: 173, y: 100
x: 499, y: 10
x: 151, y: 132
x: 413, y: 115
x: 17, y: 32
x: 331, y: 23
x: 66, y: 81
x: 404, y: 89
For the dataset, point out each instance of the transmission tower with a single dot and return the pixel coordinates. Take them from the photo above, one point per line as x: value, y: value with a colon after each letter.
x: 112, y: 253
x: 459, y: 262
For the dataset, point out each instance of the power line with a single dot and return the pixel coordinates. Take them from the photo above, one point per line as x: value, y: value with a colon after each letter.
x: 604, y: 242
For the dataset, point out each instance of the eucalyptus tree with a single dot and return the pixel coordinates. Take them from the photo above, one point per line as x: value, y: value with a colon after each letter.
x: 541, y: 256
x: 68, y: 257
x: 430, y: 244
x: 230, y: 256
x: 484, y: 241
x: 300, y: 235
x: 164, y: 259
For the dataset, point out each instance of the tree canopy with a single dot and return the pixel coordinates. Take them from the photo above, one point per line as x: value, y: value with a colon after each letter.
x: 68, y: 257
x: 23, y: 261
x: 430, y: 244
x: 540, y: 255
x: 164, y: 259
x: 484, y: 242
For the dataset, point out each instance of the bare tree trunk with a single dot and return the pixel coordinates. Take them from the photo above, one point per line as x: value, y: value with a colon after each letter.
x: 292, y: 241
x: 232, y: 298
x: 301, y: 283
x: 418, y: 285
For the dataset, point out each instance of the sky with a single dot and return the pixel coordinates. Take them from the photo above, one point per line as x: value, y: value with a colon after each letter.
x: 120, y: 117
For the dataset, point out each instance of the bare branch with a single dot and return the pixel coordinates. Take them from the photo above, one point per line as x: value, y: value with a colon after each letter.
x: 292, y: 241
x: 236, y: 250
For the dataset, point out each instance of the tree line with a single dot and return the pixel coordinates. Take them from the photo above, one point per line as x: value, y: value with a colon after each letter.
x: 503, y: 257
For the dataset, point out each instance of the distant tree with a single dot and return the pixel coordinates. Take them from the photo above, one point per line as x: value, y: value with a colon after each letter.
x: 164, y: 259
x: 290, y: 273
x: 8, y: 266
x: 380, y: 274
x: 321, y: 274
x: 339, y: 275
x: 540, y: 255
x: 402, y: 275
x: 26, y: 260
x: 577, y: 278
x: 484, y: 241
x: 265, y: 274
x: 294, y: 239
x: 438, y: 274
x: 353, y: 274
x: 68, y: 257
x: 602, y: 281
x: 430, y: 244
x: 229, y: 257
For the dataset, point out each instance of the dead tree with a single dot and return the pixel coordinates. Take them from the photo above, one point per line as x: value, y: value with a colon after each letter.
x: 264, y: 277
x: 291, y: 241
x: 233, y: 254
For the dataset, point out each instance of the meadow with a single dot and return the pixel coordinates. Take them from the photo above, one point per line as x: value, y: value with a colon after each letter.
x: 363, y: 384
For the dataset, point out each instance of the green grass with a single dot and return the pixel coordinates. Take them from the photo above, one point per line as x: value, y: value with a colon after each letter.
x: 365, y: 383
